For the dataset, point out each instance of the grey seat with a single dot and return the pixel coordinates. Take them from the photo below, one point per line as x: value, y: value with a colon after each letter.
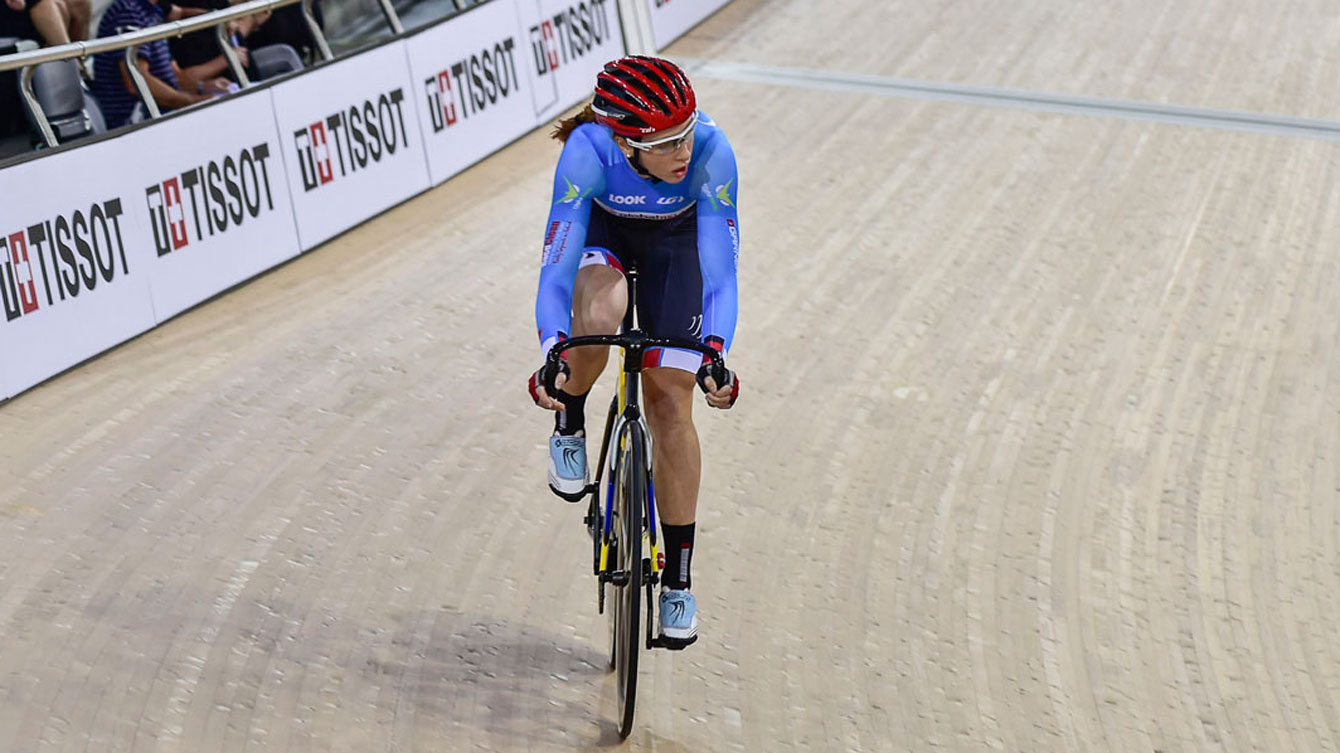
x: 95, y: 116
x: 60, y: 93
x: 274, y: 60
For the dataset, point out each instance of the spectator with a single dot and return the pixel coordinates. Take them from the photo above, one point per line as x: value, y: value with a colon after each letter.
x: 112, y: 84
x: 197, y: 53
x: 52, y: 22
x: 287, y: 26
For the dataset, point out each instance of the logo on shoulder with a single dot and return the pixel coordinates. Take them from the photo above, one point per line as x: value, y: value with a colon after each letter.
x: 721, y: 197
x: 574, y: 194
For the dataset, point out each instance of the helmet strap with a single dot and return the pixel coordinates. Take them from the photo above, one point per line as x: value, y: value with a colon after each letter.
x: 636, y: 161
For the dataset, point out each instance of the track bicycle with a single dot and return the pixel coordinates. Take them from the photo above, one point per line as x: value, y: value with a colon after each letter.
x: 623, y: 529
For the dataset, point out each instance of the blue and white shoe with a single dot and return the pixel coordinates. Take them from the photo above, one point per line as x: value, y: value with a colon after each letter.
x: 679, y: 617
x: 567, y: 466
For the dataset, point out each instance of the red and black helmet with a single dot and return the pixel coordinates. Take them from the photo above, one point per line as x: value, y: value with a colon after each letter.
x: 638, y: 95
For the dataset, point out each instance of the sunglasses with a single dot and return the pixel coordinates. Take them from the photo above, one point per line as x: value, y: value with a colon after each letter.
x: 669, y: 144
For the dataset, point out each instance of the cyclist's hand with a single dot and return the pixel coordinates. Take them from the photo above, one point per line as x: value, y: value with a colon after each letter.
x: 719, y: 396
x: 538, y: 392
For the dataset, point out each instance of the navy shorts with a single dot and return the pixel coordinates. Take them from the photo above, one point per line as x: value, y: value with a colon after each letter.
x: 669, y: 278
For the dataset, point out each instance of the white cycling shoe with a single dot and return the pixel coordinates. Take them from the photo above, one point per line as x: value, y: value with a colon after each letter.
x: 679, y: 618
x: 567, y: 466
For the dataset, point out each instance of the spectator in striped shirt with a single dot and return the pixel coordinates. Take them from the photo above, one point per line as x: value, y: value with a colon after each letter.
x: 171, y: 87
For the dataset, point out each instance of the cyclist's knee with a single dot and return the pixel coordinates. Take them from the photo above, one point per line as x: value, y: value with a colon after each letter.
x: 600, y: 298
x: 668, y: 396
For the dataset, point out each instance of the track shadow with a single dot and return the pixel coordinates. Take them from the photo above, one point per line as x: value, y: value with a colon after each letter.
x: 516, y: 685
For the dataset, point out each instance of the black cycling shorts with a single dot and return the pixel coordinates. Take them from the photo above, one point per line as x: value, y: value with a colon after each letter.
x: 669, y: 277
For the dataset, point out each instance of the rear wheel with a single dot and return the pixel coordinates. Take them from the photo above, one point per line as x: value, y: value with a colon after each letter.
x: 629, y: 501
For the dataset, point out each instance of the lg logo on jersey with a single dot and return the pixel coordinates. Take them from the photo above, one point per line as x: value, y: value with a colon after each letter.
x: 642, y: 200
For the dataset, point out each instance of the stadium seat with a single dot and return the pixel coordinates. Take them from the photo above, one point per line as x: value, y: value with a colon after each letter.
x: 94, y: 109
x: 275, y: 60
x: 60, y: 92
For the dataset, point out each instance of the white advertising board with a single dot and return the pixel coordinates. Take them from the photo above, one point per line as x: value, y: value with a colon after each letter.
x: 351, y: 141
x: 100, y: 242
x: 670, y: 19
x: 70, y: 284
x: 470, y: 86
x: 212, y: 190
x: 567, y: 42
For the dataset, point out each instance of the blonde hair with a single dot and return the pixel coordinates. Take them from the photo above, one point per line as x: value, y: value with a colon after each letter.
x: 564, y: 128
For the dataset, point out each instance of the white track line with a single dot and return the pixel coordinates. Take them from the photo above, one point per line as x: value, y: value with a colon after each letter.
x: 1228, y: 120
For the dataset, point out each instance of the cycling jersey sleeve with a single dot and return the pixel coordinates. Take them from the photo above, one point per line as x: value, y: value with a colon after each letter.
x: 719, y: 242
x: 579, y: 177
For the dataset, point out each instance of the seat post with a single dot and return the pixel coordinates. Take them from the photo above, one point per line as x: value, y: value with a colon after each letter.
x: 632, y: 298
x: 632, y: 357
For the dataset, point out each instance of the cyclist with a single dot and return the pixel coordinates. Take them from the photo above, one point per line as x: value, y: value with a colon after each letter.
x: 645, y: 177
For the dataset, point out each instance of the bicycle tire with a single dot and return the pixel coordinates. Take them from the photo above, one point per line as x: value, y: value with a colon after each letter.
x: 630, y: 499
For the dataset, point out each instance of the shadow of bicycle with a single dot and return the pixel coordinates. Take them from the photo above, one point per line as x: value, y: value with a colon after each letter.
x: 479, y: 680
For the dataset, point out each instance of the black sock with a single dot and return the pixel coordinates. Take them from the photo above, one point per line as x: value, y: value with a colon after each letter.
x: 678, y: 555
x: 572, y: 418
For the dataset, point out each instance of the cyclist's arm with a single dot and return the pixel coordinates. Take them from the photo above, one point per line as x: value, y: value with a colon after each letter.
x: 579, y: 177
x: 719, y: 242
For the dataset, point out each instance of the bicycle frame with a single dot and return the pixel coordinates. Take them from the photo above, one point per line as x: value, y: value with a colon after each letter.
x: 625, y: 408
x: 626, y: 430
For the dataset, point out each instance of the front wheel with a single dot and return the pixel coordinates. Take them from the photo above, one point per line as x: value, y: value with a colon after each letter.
x: 629, y: 501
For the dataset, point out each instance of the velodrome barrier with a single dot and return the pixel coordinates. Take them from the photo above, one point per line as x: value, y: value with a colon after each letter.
x: 671, y: 19
x: 101, y: 242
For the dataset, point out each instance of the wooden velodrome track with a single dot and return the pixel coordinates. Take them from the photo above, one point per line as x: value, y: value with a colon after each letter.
x: 1038, y: 448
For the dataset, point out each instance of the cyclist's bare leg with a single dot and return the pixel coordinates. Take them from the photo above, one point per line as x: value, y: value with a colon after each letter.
x: 677, y: 458
x: 599, y: 300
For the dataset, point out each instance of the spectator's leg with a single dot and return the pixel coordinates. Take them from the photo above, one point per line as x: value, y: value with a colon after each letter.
x: 51, y: 21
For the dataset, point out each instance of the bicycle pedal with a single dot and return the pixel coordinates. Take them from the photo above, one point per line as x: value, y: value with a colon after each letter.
x: 571, y: 496
x: 673, y: 644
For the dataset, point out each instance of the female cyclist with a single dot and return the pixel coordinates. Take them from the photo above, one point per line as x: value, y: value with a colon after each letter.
x: 643, y: 176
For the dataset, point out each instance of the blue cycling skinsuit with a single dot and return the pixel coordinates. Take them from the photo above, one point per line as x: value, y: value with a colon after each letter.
x: 684, y: 238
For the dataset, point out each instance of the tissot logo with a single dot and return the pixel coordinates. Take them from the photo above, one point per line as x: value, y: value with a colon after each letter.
x: 60, y: 258
x: 469, y: 86
x: 210, y: 199
x: 350, y: 138
x: 570, y: 34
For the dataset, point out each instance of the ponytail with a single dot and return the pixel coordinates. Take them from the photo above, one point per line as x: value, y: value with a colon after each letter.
x: 564, y: 128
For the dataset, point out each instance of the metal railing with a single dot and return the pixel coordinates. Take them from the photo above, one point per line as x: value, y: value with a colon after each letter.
x: 131, y: 42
